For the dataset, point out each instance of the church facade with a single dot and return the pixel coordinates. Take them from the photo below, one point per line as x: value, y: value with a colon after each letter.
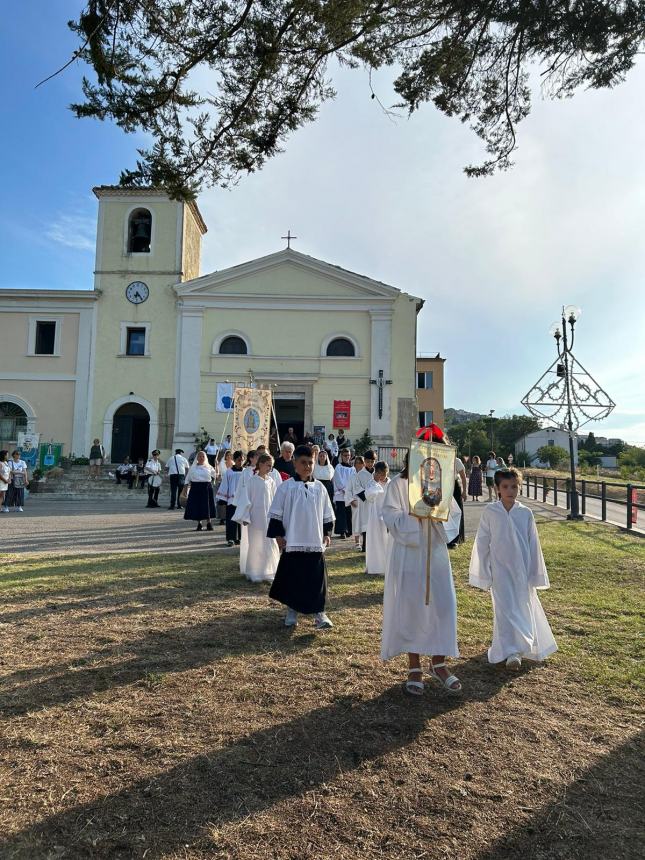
x: 146, y: 352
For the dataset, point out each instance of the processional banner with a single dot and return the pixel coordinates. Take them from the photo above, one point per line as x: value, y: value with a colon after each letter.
x: 431, y: 479
x: 251, y: 418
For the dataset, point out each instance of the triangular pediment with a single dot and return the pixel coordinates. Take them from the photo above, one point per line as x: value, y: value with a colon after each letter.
x: 286, y: 274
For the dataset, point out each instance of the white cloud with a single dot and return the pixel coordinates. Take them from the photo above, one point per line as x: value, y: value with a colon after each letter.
x: 73, y: 231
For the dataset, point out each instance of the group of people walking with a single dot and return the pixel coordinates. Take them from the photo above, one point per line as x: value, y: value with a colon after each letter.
x: 14, y: 480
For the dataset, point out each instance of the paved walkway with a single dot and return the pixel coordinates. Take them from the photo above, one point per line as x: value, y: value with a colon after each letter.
x: 96, y: 527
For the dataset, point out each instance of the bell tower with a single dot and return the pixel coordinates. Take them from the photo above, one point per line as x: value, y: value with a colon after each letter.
x: 146, y: 244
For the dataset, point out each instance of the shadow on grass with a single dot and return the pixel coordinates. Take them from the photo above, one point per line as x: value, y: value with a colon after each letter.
x: 171, y: 810
x: 176, y: 649
x: 599, y: 816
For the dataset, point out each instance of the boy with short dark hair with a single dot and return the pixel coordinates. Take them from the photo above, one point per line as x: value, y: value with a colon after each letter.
x: 301, y: 519
x: 507, y: 559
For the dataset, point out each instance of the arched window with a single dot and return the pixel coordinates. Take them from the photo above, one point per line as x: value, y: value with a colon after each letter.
x: 13, y: 420
x: 340, y: 346
x: 139, y: 231
x: 232, y: 345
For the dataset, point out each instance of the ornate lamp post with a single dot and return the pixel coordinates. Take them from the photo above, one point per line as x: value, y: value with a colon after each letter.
x: 568, y: 395
x: 490, y: 415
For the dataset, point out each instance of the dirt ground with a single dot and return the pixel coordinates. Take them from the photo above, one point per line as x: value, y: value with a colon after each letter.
x: 156, y: 708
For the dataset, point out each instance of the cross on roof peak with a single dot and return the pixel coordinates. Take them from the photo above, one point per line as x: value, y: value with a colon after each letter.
x: 289, y: 238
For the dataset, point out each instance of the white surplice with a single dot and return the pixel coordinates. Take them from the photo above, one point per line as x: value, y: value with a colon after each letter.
x: 408, y: 624
x: 254, y: 499
x: 360, y: 483
x: 303, y: 508
x: 378, y: 537
x: 507, y: 559
x: 240, y: 492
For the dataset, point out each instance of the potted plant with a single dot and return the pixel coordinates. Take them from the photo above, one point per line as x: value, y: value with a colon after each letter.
x: 37, y: 479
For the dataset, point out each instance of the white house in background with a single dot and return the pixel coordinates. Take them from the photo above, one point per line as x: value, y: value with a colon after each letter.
x: 528, y: 446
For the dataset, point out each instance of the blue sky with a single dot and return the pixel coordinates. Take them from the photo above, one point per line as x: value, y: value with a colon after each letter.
x: 494, y: 258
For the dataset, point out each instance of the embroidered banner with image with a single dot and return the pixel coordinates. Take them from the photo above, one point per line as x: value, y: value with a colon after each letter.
x: 431, y: 479
x: 251, y: 418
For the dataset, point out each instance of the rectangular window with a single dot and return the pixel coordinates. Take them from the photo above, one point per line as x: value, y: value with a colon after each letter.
x: 424, y: 379
x: 45, y: 337
x: 136, y: 341
x: 425, y: 418
x: 550, y: 442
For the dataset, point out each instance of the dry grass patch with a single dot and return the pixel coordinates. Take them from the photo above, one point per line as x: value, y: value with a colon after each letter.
x: 156, y: 708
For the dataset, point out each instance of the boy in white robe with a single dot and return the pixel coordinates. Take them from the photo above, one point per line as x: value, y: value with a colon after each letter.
x: 342, y: 475
x: 363, y: 480
x: 252, y: 508
x: 507, y: 560
x: 226, y: 493
x: 301, y: 519
x: 409, y: 625
x: 378, y: 538
x: 352, y: 501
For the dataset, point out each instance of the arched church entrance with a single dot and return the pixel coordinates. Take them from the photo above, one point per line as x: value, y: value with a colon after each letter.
x: 130, y: 433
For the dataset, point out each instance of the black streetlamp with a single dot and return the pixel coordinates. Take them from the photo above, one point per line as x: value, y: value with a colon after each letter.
x: 570, y: 314
x: 568, y: 395
x: 490, y: 415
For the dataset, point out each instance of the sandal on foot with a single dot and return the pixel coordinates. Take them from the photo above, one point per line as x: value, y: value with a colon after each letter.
x: 514, y: 662
x: 414, y: 688
x: 449, y: 681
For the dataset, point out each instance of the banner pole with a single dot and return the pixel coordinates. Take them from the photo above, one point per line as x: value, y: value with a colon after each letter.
x: 428, y: 560
x: 275, y: 421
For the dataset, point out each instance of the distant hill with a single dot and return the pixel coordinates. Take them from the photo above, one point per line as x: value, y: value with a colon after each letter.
x: 453, y: 417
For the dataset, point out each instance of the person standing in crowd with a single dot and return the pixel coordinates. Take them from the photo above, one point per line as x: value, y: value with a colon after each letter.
x: 378, y: 538
x: 284, y: 463
x: 315, y: 450
x: 475, y: 479
x: 290, y: 436
x: 342, y: 475
x: 248, y: 471
x: 301, y: 519
x: 352, y: 501
x: 342, y: 441
x: 252, y: 513
x: 324, y: 472
x: 5, y: 480
x: 97, y: 456
x: 491, y: 468
x: 177, y: 467
x: 211, y: 452
x: 363, y: 480
x: 19, y: 481
x: 226, y: 494
x: 262, y: 449
x: 331, y: 446
x: 200, y: 504
x: 124, y: 472
x: 409, y: 624
x: 224, y: 464
x: 153, y: 471
x: 460, y: 495
x: 507, y: 560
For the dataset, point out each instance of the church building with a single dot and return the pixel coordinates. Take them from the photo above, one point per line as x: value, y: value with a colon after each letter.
x: 138, y: 361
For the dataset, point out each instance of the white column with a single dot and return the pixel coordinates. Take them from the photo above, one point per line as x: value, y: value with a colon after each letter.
x: 86, y: 329
x: 188, y: 376
x: 381, y: 359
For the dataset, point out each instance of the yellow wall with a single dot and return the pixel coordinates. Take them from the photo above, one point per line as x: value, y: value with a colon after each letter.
x: 53, y: 403
x: 14, y: 333
x: 432, y: 398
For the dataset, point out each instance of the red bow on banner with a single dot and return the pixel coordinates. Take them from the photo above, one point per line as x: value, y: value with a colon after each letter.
x: 431, y: 433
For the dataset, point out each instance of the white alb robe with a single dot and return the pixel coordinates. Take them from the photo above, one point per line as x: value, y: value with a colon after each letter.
x: 360, y: 482
x: 304, y: 509
x: 408, y: 624
x: 254, y: 499
x: 245, y: 477
x: 507, y: 559
x: 378, y: 538
x: 342, y: 475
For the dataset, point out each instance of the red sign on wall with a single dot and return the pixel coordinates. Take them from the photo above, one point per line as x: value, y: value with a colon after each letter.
x: 342, y: 413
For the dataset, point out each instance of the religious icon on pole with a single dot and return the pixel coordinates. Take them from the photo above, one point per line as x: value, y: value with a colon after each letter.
x: 431, y: 482
x: 251, y: 418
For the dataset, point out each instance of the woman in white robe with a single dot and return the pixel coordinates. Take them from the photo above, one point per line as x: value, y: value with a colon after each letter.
x: 254, y: 501
x: 507, y: 560
x: 409, y: 625
x: 378, y: 537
